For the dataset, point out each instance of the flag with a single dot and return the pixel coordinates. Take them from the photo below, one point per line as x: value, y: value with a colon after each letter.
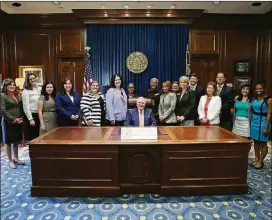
x: 88, y: 75
x: 188, y: 62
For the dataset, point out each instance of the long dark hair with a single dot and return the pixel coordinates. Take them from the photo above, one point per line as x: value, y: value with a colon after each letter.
x: 240, y: 96
x: 27, y: 84
x: 45, y: 94
x: 62, y: 90
x: 112, y: 82
x: 6, y: 83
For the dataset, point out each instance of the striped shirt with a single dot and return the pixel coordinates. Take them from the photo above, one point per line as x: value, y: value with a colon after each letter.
x: 90, y: 108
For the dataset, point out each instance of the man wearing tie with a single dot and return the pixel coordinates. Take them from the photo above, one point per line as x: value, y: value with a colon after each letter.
x: 140, y: 116
x: 225, y: 93
x: 199, y: 91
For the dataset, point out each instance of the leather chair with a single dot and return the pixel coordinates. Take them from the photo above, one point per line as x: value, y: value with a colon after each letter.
x: 132, y: 103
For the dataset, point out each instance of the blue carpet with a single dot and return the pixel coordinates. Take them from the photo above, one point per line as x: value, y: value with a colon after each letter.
x: 16, y: 202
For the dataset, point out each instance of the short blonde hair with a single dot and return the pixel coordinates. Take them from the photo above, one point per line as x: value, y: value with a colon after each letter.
x: 184, y: 79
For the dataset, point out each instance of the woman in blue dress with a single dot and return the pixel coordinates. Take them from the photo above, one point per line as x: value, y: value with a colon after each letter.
x: 260, y: 124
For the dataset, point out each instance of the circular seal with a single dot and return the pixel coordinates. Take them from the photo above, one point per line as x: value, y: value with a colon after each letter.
x: 137, y: 62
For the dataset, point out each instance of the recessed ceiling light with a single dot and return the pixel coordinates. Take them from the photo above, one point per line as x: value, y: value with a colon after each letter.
x: 172, y: 6
x: 106, y: 14
x: 126, y: 6
x: 256, y: 4
x: 168, y: 15
x: 16, y: 4
x: 148, y: 14
x: 56, y: 3
x: 149, y: 6
x: 126, y: 14
x: 102, y: 6
x: 216, y: 2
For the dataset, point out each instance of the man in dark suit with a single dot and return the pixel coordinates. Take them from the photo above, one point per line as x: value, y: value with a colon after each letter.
x: 155, y: 94
x: 140, y: 116
x: 199, y: 91
x: 226, y: 94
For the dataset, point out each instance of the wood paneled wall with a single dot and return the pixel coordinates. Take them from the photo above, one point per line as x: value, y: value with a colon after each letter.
x: 51, y: 48
x: 57, y: 42
x: 215, y: 50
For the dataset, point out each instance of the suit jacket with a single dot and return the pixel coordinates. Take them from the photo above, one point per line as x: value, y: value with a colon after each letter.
x: 226, y: 96
x: 66, y: 108
x: 133, y: 118
x: 116, y: 105
x: 167, y: 107
x: 155, y: 95
x: 214, y: 108
x: 199, y: 91
x: 186, y: 105
x: 10, y: 109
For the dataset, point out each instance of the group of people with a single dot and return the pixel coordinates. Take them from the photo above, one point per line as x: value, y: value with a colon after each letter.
x: 178, y: 103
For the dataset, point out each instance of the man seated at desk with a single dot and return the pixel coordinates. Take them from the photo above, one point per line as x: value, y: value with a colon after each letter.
x: 140, y: 116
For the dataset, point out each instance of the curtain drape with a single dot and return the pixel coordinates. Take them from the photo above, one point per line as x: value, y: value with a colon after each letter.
x: 163, y: 44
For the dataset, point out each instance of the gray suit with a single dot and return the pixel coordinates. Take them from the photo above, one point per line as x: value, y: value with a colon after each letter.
x: 167, y: 107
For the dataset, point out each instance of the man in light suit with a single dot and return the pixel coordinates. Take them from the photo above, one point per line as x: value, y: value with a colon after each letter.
x: 140, y: 116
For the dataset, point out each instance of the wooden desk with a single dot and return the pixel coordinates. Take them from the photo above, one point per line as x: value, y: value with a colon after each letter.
x: 94, y: 161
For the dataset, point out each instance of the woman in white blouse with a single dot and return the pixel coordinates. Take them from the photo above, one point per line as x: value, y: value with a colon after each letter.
x: 209, y: 106
x: 30, y: 97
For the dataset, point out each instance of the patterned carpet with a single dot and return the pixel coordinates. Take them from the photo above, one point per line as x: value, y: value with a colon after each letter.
x: 16, y: 202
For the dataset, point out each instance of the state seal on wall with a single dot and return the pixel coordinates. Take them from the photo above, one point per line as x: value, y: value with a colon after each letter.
x: 137, y: 62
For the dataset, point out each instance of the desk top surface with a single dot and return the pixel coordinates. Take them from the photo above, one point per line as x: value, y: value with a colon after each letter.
x: 112, y: 136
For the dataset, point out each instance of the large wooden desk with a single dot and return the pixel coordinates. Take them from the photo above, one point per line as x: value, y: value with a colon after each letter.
x: 82, y: 161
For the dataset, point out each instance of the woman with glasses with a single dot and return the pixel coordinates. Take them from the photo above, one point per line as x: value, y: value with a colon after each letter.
x: 12, y: 119
x: 30, y: 96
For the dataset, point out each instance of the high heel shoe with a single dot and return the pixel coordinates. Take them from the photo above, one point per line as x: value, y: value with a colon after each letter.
x: 258, y: 168
x: 19, y: 162
x: 12, y: 165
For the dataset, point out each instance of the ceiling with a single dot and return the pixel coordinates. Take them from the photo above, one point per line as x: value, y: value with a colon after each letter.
x: 242, y: 7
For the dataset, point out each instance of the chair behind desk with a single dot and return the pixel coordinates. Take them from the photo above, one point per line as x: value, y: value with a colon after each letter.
x: 132, y: 103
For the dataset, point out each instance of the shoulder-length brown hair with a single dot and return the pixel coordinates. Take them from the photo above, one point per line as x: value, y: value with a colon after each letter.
x: 6, y: 83
x: 214, y: 87
x: 168, y: 84
x: 62, y: 90
x: 27, y: 84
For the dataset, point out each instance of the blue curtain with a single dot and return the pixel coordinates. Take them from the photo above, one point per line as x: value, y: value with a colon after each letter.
x: 163, y: 44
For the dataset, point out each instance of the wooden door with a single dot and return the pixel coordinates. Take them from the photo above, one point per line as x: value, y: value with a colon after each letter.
x: 74, y: 69
x: 206, y: 69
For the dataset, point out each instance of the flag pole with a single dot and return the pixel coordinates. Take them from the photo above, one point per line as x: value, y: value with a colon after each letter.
x: 74, y: 81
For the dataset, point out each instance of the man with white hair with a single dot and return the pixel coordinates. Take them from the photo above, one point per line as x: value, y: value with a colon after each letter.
x: 140, y: 116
